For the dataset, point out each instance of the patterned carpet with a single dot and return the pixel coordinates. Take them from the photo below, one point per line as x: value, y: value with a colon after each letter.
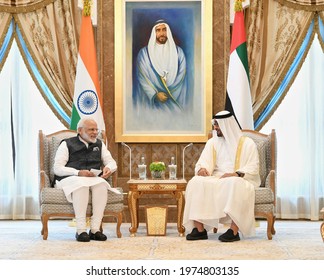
x: 294, y: 240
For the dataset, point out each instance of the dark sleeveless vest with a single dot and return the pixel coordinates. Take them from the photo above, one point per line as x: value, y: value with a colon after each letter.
x: 81, y: 157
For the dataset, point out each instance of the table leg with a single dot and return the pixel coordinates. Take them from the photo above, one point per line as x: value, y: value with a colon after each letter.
x: 132, y: 205
x: 180, y: 206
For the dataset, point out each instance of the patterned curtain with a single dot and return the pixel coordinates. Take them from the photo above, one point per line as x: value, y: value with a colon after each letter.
x: 50, y: 30
x: 275, y: 35
x: 6, y: 37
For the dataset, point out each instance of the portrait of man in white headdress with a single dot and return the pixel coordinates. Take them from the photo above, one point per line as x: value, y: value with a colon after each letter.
x: 161, y: 72
x: 163, y: 52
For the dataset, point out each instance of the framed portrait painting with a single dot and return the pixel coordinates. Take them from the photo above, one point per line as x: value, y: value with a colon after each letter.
x: 163, y: 70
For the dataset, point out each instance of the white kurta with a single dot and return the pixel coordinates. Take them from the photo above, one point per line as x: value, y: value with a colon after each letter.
x: 73, y: 182
x: 211, y: 200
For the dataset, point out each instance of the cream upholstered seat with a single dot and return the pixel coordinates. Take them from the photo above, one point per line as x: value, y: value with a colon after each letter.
x: 265, y: 195
x: 53, y: 202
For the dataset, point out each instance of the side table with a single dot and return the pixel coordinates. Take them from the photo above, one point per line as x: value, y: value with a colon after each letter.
x: 139, y: 187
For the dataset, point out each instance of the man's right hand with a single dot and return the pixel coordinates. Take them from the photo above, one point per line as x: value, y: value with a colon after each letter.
x: 162, y: 96
x: 86, y: 173
x: 203, y: 172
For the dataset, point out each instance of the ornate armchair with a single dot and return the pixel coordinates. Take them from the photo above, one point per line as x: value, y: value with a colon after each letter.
x: 265, y: 195
x: 52, y: 201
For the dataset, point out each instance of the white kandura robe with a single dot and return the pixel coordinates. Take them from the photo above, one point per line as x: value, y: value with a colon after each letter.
x: 211, y: 200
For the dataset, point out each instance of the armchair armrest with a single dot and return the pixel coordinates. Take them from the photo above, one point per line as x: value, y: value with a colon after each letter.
x: 112, y: 180
x: 271, y: 181
x: 44, y: 180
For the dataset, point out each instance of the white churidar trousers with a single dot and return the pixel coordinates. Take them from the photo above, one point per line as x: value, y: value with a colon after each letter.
x: 80, y: 198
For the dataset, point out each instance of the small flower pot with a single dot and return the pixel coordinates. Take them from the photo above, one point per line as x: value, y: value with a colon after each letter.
x: 158, y: 175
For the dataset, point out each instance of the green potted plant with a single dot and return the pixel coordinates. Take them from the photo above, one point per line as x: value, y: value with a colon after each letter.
x: 157, y: 169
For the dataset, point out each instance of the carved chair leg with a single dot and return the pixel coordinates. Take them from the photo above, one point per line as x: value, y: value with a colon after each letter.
x: 270, y: 222
x: 119, y: 222
x: 273, y: 231
x: 44, y: 231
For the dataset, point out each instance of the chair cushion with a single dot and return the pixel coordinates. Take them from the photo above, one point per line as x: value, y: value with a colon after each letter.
x: 264, y: 208
x: 57, y: 196
x: 263, y: 196
x: 67, y: 209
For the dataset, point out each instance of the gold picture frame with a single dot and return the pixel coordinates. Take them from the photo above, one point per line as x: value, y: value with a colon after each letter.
x: 132, y: 22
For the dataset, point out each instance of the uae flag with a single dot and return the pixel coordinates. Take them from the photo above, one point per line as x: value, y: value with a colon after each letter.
x: 87, y: 100
x: 238, y: 98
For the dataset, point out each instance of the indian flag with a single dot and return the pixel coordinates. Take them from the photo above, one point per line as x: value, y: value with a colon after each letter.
x: 87, y: 100
x: 238, y: 99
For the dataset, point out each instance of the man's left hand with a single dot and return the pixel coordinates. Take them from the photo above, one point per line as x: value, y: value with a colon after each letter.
x: 225, y: 175
x: 106, y: 172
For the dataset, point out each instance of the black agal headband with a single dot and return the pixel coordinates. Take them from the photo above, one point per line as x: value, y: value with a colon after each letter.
x: 229, y: 114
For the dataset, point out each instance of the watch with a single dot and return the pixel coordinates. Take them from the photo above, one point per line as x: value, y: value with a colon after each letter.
x: 240, y: 174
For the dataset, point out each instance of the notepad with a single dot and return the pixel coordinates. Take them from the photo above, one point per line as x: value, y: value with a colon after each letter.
x: 97, y: 172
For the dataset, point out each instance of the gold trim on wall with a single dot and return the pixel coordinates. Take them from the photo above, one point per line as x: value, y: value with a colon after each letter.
x: 207, y: 79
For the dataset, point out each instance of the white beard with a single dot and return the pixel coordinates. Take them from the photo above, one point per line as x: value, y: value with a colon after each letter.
x: 87, y: 138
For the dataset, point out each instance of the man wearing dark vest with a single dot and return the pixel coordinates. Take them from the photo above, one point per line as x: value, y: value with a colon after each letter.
x: 76, y: 162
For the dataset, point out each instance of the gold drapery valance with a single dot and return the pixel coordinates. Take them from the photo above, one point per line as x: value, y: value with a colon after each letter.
x: 22, y: 6
x: 306, y: 5
x: 4, y: 27
x: 275, y: 35
x: 50, y: 29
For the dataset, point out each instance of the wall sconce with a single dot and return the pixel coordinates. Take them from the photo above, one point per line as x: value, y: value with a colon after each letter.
x: 130, y: 159
x: 183, y: 164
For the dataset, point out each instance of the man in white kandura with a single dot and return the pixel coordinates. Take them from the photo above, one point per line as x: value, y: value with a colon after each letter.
x: 76, y: 162
x: 223, y: 190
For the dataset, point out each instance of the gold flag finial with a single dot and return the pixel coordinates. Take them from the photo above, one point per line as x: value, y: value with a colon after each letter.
x: 238, y: 7
x: 87, y: 7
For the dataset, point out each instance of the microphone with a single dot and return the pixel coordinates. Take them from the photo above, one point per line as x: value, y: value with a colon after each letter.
x: 130, y: 159
x: 183, y: 153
